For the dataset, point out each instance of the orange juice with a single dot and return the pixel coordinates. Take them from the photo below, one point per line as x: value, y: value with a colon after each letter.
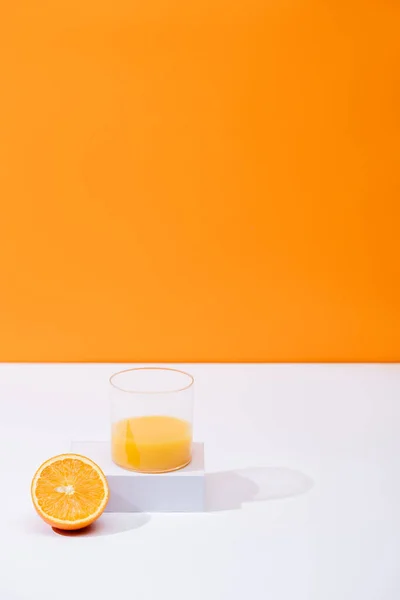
x: 154, y: 444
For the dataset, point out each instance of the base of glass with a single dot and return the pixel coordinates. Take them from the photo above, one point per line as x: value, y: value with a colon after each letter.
x: 153, y: 472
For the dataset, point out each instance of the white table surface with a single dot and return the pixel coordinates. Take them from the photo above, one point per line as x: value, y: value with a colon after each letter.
x: 304, y: 498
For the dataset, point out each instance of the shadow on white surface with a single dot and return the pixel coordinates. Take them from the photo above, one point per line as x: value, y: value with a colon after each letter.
x: 108, y: 524
x: 4, y: 595
x: 229, y: 490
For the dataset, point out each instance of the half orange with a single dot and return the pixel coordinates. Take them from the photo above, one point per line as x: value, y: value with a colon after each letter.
x: 69, y: 491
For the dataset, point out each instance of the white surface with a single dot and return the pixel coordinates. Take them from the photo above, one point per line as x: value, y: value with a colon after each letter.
x: 281, y: 537
x: 177, y: 491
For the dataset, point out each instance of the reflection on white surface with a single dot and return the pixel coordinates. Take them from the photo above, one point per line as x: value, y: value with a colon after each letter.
x: 110, y: 524
x: 107, y: 524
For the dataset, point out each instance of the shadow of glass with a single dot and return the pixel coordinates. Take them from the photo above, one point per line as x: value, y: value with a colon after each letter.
x: 109, y: 524
x: 229, y: 490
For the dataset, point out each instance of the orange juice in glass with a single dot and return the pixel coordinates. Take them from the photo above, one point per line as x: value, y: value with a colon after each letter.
x: 152, y: 415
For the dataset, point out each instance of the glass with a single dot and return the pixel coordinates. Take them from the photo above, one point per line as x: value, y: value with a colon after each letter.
x: 152, y: 419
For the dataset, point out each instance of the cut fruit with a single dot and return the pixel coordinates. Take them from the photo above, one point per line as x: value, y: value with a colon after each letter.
x: 69, y: 491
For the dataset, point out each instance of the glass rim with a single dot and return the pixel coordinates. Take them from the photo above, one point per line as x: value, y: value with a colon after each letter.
x: 168, y: 391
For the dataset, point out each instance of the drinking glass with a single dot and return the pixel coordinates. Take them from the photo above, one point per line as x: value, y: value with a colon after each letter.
x: 151, y: 419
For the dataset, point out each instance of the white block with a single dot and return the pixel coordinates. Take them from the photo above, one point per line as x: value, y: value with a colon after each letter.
x: 178, y: 491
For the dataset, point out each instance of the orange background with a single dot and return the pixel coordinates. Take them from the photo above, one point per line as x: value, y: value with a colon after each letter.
x: 200, y: 181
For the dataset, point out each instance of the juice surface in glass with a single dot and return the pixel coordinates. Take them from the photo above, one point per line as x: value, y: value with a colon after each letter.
x: 152, y: 444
